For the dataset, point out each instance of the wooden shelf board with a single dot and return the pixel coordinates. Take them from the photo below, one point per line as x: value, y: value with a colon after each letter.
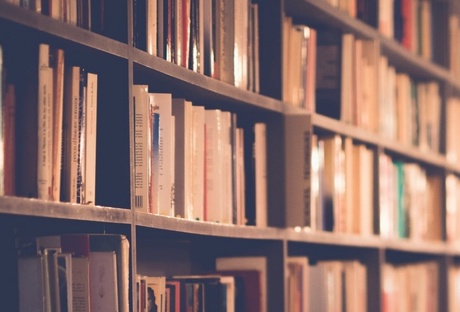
x: 46, y: 25
x: 39, y: 208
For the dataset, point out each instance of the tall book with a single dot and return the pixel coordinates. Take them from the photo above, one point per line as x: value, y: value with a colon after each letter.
x: 70, y: 134
x: 297, y: 136
x: 162, y: 104
x: 9, y: 140
x: 58, y: 108
x: 103, y: 281
x: 182, y: 111
x: 198, y: 163
x: 45, y: 122
x: 141, y: 148
x: 31, y: 281
x: 260, y: 159
x: 213, y: 166
x: 2, y: 121
x: 90, y: 139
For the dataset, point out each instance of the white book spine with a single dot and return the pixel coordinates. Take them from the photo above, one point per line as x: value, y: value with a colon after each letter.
x: 161, y: 102
x: 182, y: 110
x: 198, y: 163
x: 91, y: 136
x: 141, y: 148
x: 58, y: 103
x: 45, y: 122
x: 260, y: 151
x: 213, y: 168
x: 225, y: 138
x: 151, y: 30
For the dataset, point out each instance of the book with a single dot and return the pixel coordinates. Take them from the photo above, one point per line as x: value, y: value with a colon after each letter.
x: 9, y: 140
x: 31, y: 281
x: 2, y: 122
x: 45, y: 124
x: 82, y: 245
x: 260, y: 159
x: 103, y: 281
x: 151, y: 26
x: 162, y: 103
x: 298, y: 283
x: 198, y: 163
x: 213, y: 166
x: 182, y: 111
x: 58, y: 108
x: 70, y: 134
x: 156, y: 293
x: 141, y: 142
x: 297, y: 135
x: 255, y: 292
x: 89, y: 195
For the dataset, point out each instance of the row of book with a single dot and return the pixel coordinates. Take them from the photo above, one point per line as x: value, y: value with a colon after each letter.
x: 409, y: 110
x: 237, y: 285
x: 362, y: 9
x: 59, y: 105
x: 218, y: 38
x: 357, y: 85
x: 197, y: 163
x: 410, y: 287
x: 299, y: 57
x: 410, y: 200
x: 410, y: 22
x: 342, y: 176
x: 73, y: 272
x: 98, y: 16
x: 347, y: 78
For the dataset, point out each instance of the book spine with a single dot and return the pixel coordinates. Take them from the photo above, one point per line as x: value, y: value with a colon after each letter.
x: 91, y: 136
x: 297, y: 138
x: 141, y: 148
x: 45, y: 121
x: 58, y: 108
x: 81, y: 137
x: 260, y: 155
x: 2, y: 123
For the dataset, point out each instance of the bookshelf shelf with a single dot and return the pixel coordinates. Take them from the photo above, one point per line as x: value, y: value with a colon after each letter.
x: 199, y: 88
x: 375, y: 228
x: 38, y: 208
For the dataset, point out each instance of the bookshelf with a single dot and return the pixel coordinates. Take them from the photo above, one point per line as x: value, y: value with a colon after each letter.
x: 171, y: 246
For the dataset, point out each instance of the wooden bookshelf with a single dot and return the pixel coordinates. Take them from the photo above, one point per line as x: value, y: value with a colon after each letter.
x: 169, y: 245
